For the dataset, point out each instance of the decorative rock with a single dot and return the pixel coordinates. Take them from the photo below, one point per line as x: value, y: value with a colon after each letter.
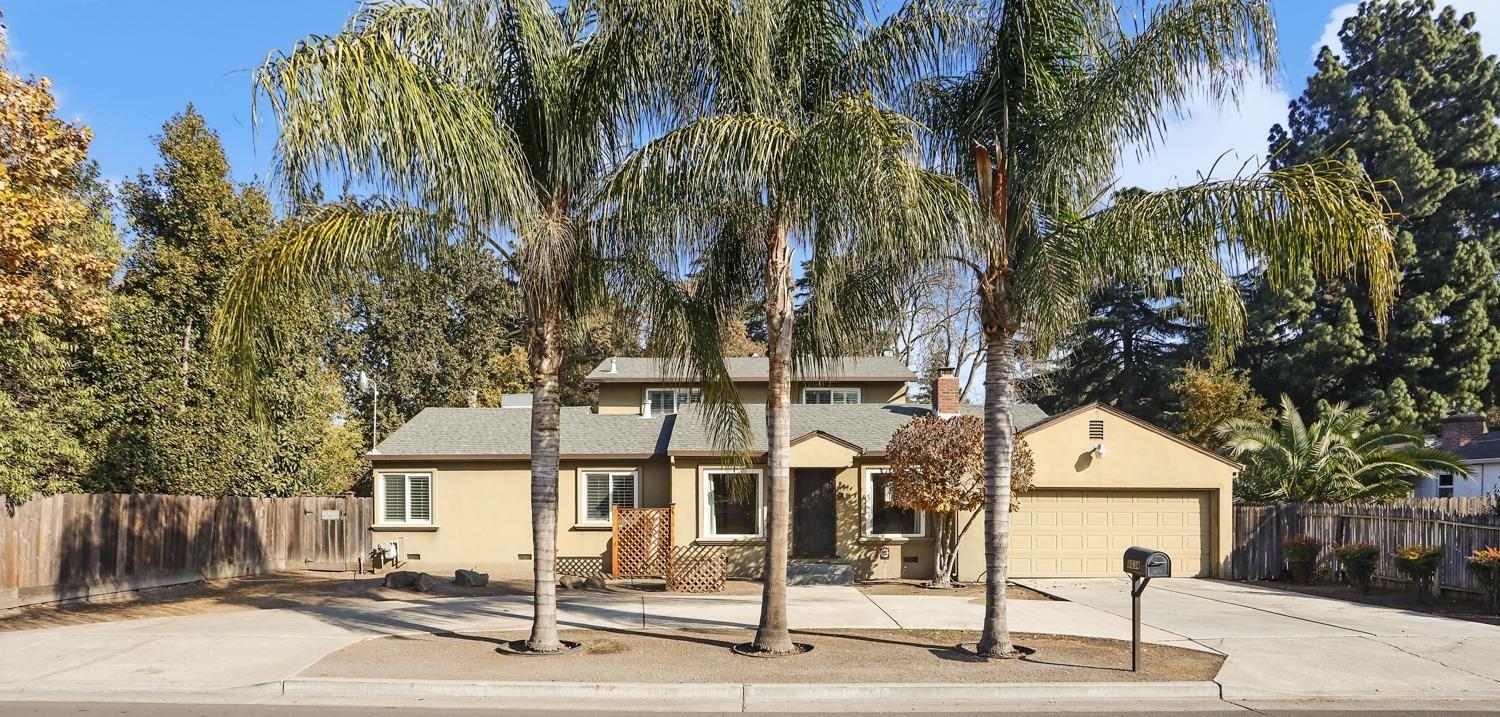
x: 424, y: 583
x: 595, y: 582
x: 403, y: 579
x: 471, y: 579
x: 570, y: 582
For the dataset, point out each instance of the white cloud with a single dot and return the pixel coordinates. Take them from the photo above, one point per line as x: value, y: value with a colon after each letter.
x: 1209, y: 137
x: 1330, y: 37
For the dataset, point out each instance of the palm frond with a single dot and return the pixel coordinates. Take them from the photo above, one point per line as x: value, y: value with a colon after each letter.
x: 1324, y: 216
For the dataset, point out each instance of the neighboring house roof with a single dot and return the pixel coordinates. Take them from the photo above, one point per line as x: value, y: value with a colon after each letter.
x: 857, y: 368
x: 515, y: 400
x: 1482, y: 449
x: 865, y: 426
x: 480, y: 433
x: 1137, y: 421
x: 506, y: 433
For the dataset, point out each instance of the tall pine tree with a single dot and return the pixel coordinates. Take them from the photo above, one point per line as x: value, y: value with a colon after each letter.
x: 1413, y: 98
x: 175, y: 424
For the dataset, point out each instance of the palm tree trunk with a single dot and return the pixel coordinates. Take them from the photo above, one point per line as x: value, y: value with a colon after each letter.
x: 545, y: 355
x: 773, y: 634
x: 999, y: 439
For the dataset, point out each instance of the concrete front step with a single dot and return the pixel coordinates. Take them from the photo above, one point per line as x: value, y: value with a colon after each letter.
x: 819, y: 572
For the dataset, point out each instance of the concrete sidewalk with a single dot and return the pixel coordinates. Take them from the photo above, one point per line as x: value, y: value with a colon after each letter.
x: 1283, y: 645
x: 231, y: 650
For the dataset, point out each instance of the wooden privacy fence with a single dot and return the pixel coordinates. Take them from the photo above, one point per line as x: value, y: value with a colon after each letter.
x: 71, y: 546
x: 1459, y: 525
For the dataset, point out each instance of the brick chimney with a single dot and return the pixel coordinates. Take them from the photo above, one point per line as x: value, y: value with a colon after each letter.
x: 945, y: 393
x: 1461, y: 428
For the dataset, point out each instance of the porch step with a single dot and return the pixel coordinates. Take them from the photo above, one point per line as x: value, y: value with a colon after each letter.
x: 819, y: 572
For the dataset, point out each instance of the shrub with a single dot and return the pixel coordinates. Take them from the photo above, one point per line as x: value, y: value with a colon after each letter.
x: 1419, y: 563
x: 1301, y: 556
x: 1359, y: 561
x: 1486, y: 564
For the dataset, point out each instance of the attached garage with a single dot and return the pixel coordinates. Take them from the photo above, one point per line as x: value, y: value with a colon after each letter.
x: 1081, y: 533
x: 1105, y: 481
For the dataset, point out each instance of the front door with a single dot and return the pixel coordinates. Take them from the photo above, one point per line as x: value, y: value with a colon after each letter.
x: 812, y: 512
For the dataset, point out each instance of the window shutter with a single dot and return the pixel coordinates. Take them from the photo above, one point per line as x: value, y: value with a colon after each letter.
x: 623, y: 490
x: 421, y: 498
x: 596, y: 500
x: 395, y: 497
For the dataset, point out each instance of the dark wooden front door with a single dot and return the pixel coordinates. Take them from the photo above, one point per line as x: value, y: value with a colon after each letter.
x: 812, y: 513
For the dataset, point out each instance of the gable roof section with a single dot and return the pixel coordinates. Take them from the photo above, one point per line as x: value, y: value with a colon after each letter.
x: 853, y: 368
x: 865, y: 427
x: 1111, y: 410
x: 506, y: 433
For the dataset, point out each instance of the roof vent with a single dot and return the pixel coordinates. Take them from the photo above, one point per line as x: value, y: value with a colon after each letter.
x: 614, y: 366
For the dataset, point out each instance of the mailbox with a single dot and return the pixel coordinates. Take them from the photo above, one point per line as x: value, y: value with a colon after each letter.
x: 1147, y: 563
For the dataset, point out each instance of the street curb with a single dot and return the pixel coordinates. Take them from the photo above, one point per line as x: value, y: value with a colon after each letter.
x: 712, y: 697
x: 734, y: 697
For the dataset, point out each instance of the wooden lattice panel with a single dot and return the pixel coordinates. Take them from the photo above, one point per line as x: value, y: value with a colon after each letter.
x: 642, y: 542
x: 581, y: 566
x: 697, y: 569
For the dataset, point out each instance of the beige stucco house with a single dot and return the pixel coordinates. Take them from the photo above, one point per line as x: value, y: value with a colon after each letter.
x: 452, y: 486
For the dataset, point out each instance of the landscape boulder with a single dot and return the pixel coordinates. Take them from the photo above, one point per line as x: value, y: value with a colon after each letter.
x: 403, y: 579
x: 426, y: 583
x: 595, y: 582
x: 570, y: 582
x: 471, y: 579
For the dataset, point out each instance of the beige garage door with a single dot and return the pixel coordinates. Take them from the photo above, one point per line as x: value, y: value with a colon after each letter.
x: 1077, y: 533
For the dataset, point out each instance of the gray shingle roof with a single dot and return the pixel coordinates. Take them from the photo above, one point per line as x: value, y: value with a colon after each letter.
x: 864, y: 368
x: 485, y: 432
x: 867, y: 425
x: 1484, y: 448
x: 506, y: 432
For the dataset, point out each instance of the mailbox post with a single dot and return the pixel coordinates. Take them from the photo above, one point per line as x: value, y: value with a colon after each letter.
x: 1142, y: 564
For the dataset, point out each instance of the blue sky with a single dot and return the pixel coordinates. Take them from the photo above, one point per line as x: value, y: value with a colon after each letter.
x: 123, y: 67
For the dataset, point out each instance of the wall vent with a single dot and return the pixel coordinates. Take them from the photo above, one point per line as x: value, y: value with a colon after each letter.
x: 523, y: 556
x: 1096, y: 430
x: 413, y: 556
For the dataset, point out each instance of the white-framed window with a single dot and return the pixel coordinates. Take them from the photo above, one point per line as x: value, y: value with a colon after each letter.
x: 405, y: 498
x: 733, y: 503
x: 883, y: 519
x: 666, y: 401
x: 601, y: 490
x: 830, y: 396
x: 1445, y: 485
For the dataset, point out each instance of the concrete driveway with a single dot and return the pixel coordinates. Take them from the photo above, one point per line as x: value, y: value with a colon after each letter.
x: 1284, y: 645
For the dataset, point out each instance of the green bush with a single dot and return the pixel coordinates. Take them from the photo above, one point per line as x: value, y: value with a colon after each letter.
x: 1419, y: 563
x: 1302, y: 556
x: 1359, y: 561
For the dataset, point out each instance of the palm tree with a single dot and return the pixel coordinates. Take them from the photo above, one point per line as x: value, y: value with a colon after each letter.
x: 1342, y: 456
x: 1038, y: 121
x: 487, y: 121
x: 795, y: 155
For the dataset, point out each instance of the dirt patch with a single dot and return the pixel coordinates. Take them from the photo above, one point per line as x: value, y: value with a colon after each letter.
x: 857, y: 656
x: 915, y: 587
x: 1446, y: 605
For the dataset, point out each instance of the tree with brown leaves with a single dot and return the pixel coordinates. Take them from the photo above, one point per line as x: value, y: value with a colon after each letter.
x: 937, y: 465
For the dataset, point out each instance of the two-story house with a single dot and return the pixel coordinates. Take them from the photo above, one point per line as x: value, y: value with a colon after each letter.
x: 452, y: 486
